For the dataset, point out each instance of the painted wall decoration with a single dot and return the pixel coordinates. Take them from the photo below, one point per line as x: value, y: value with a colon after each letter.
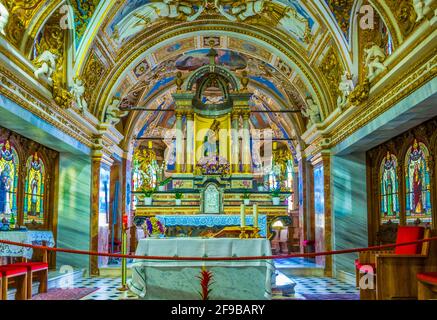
x: 389, y: 185
x: 175, y: 48
x: 418, y: 195
x: 197, y: 58
x: 9, y: 164
x: 34, y: 189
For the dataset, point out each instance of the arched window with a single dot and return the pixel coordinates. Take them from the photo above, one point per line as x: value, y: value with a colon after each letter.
x: 9, y: 164
x: 34, y: 189
x: 418, y: 195
x: 389, y: 186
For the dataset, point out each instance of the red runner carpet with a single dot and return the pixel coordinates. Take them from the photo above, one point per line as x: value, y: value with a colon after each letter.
x: 65, y: 294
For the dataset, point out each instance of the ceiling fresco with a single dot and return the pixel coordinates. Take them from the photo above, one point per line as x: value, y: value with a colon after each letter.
x: 132, y: 18
x: 145, y: 81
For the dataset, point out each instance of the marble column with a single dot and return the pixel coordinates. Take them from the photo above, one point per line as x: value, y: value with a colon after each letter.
x: 94, y: 223
x: 179, y: 143
x: 246, y: 158
x: 235, y: 143
x: 190, y: 143
x: 322, y: 208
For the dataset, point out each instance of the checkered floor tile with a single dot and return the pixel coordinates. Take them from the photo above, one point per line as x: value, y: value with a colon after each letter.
x: 305, y: 286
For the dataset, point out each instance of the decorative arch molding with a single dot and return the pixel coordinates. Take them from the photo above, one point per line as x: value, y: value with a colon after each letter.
x: 37, y: 23
x: 280, y: 46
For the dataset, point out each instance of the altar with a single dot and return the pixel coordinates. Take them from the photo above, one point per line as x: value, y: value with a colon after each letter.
x: 179, y: 280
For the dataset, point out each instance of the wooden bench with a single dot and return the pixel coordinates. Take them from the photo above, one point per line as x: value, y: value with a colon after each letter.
x: 18, y: 276
x: 427, y: 285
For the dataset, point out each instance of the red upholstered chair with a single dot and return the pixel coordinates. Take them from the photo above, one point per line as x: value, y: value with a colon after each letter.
x: 36, y: 270
x: 394, y: 272
x: 427, y: 285
x: 17, y: 275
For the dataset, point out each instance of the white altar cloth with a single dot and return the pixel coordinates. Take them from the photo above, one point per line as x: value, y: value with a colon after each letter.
x: 35, y: 237
x: 243, y: 280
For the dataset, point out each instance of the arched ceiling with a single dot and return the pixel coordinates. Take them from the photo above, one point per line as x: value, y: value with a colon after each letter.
x: 131, y: 50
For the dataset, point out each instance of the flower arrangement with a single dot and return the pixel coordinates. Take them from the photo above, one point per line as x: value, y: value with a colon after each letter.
x: 153, y: 227
x: 213, y: 165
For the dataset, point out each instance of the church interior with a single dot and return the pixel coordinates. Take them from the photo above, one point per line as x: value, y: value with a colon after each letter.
x: 218, y: 149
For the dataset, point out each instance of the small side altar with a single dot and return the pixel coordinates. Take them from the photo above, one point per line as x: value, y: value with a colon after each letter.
x: 178, y: 280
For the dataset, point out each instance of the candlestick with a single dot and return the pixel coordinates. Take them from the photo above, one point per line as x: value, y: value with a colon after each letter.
x: 255, y: 215
x: 243, y: 215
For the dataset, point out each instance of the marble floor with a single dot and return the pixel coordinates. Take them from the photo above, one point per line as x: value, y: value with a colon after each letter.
x: 306, y: 288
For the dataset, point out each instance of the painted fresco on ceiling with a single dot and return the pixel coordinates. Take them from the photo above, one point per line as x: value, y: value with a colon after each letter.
x: 341, y: 10
x: 267, y: 83
x: 158, y: 85
x: 249, y: 48
x: 175, y: 48
x: 198, y: 58
x: 300, y: 10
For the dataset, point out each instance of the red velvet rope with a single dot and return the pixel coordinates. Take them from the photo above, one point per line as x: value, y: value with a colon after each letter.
x: 299, y: 255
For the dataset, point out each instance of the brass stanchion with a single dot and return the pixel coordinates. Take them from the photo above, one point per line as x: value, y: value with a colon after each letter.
x: 124, y: 286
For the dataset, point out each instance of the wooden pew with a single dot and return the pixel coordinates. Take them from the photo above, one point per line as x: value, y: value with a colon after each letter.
x: 394, y: 272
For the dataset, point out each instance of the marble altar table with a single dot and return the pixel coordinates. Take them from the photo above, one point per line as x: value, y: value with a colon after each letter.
x: 244, y: 280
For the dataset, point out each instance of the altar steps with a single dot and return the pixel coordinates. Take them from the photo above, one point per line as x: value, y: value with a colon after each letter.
x: 298, y: 267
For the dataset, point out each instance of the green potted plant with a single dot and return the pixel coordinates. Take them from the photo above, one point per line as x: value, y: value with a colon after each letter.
x: 246, y: 197
x: 276, y: 199
x: 163, y: 183
x: 178, y: 197
x: 148, y: 193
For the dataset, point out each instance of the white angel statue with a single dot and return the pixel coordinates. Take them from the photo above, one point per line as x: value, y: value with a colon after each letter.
x: 375, y: 57
x: 147, y: 14
x: 78, y: 90
x: 46, y: 64
x: 346, y: 87
x: 422, y: 7
x: 4, y: 17
x: 240, y: 10
x: 296, y: 24
x: 312, y: 112
x: 113, y: 112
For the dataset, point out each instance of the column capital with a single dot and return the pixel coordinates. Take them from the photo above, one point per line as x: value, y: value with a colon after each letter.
x: 245, y: 114
x: 190, y: 115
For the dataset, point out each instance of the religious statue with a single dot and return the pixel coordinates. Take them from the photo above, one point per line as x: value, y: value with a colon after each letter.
x: 46, y: 64
x: 188, y: 10
x: 265, y: 12
x: 78, y: 90
x: 5, y: 187
x: 422, y: 7
x: 312, y: 112
x: 346, y: 87
x: 375, y: 57
x: 4, y: 17
x: 113, y: 112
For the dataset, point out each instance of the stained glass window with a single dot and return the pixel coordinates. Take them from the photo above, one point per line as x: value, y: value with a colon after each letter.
x: 418, y: 195
x: 8, y: 180
x: 389, y: 185
x: 34, y: 189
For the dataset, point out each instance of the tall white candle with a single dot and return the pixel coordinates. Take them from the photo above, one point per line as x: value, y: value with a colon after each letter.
x: 255, y: 215
x: 243, y: 215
